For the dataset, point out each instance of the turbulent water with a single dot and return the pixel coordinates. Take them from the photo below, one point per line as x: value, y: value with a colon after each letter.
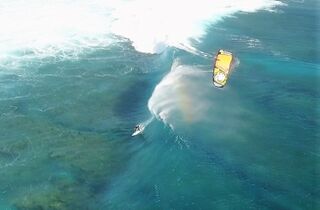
x: 77, y: 76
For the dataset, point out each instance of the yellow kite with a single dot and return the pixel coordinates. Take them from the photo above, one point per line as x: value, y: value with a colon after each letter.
x: 221, y: 69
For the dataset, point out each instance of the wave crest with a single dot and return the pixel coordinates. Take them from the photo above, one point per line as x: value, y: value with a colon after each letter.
x: 72, y: 27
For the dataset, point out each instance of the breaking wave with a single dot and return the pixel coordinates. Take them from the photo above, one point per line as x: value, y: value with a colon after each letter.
x: 37, y: 29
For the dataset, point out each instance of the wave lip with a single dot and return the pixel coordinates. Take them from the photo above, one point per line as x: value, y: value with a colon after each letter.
x: 154, y: 25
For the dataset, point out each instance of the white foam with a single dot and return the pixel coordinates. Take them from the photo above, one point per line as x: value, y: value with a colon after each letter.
x: 153, y: 25
x: 38, y: 28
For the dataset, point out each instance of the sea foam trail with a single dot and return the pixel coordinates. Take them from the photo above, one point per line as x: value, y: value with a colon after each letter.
x: 37, y: 29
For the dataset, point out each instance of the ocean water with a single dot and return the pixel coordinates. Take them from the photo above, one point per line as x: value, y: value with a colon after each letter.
x: 76, y: 77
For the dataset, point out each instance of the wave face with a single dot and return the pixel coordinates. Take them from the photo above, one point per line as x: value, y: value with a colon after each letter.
x: 65, y: 28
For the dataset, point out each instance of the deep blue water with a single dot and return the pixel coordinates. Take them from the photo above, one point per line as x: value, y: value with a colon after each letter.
x: 66, y: 124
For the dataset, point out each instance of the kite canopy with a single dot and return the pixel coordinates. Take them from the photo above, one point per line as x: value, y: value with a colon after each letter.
x: 221, y: 69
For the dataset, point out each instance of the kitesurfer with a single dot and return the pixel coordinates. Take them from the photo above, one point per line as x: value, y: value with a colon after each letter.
x: 137, y: 128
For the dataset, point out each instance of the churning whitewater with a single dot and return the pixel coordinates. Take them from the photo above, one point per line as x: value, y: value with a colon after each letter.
x: 64, y: 29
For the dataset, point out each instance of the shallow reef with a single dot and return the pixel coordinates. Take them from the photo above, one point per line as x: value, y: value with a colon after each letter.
x: 55, y: 167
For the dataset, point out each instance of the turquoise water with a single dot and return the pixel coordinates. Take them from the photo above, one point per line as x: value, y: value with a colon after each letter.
x: 66, y: 122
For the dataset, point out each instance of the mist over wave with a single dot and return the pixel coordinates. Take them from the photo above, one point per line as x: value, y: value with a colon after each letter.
x: 176, y: 98
x: 37, y: 29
